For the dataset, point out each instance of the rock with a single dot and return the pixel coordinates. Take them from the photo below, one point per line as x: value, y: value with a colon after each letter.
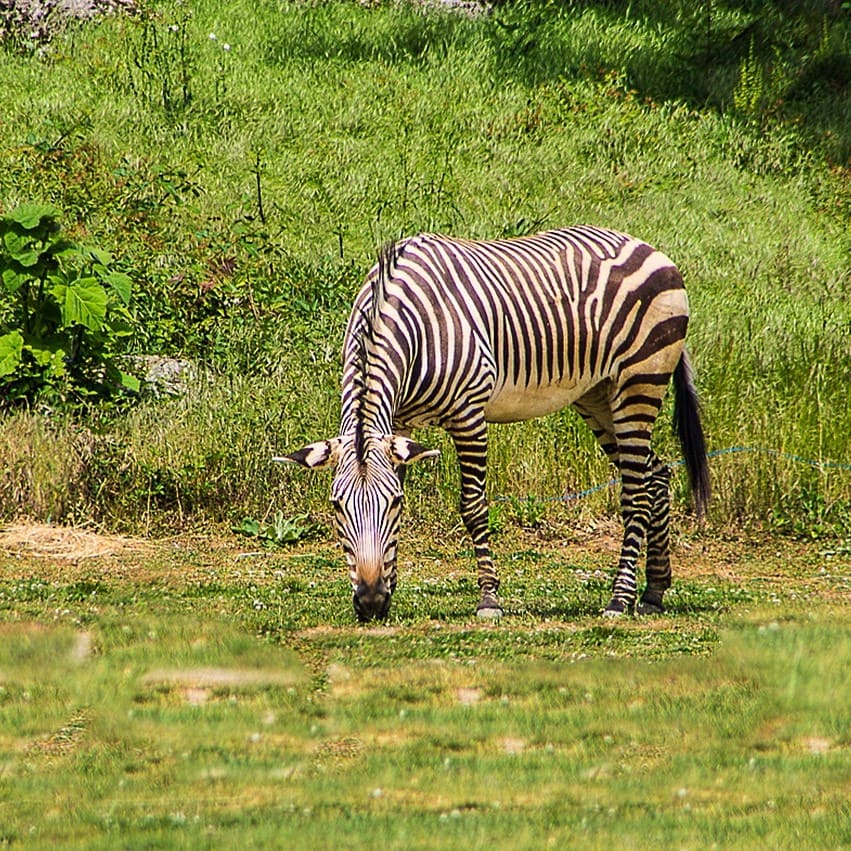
x: 162, y: 376
x: 32, y: 24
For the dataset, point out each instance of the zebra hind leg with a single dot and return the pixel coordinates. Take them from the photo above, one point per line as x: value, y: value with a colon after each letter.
x: 633, y: 424
x: 635, y: 508
x: 594, y: 407
x: 658, y: 541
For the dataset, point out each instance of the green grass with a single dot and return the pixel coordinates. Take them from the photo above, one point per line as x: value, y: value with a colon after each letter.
x: 183, y: 695
x: 719, y: 133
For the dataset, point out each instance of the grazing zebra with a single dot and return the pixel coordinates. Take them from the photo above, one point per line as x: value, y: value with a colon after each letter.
x: 458, y: 334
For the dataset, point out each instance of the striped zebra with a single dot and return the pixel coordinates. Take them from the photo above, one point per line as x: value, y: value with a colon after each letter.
x: 458, y: 334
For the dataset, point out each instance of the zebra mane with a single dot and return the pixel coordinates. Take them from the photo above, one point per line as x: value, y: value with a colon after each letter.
x: 365, y: 338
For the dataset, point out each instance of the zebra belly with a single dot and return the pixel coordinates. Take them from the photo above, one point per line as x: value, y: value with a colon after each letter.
x: 510, y: 404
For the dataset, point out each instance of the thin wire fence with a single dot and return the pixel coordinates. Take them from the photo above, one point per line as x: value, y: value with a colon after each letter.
x: 716, y: 453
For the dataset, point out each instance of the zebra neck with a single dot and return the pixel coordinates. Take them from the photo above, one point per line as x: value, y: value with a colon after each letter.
x: 367, y: 414
x: 373, y: 384
x: 378, y: 365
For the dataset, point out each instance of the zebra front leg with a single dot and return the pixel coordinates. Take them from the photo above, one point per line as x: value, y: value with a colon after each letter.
x: 475, y: 515
x: 658, y: 542
x: 635, y: 508
x: 471, y: 448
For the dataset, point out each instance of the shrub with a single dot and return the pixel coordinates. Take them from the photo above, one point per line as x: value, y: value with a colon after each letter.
x: 66, y: 314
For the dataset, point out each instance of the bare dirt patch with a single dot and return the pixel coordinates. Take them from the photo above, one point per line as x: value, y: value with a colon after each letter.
x: 220, y: 678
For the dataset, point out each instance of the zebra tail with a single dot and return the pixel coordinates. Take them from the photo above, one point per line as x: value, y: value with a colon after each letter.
x: 690, y: 432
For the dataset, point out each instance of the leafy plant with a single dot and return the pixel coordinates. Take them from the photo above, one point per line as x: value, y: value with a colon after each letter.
x: 807, y: 515
x: 282, y: 530
x: 67, y: 316
x: 528, y: 512
x: 496, y: 518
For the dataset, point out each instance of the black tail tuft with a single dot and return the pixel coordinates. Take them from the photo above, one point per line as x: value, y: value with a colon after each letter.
x: 690, y: 432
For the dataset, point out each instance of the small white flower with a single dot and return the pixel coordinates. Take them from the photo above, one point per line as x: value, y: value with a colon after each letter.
x: 212, y: 36
x: 225, y: 46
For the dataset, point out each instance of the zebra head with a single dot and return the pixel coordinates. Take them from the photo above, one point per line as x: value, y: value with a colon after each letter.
x: 367, y: 497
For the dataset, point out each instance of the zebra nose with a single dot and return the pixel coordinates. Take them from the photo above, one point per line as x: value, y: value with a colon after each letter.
x: 371, y: 601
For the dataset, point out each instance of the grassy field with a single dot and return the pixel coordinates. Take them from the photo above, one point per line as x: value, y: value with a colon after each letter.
x: 189, y: 694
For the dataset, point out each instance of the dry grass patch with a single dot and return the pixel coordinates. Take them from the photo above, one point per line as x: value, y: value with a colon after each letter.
x: 66, y: 543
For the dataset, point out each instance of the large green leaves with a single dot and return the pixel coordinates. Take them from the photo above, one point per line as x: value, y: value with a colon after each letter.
x: 82, y: 302
x: 11, y: 351
x: 120, y: 284
x: 21, y: 247
x: 33, y: 216
x: 13, y: 279
x: 28, y: 233
x: 70, y: 318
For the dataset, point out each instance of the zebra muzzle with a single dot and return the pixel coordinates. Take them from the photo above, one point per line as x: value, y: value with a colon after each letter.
x: 371, y: 601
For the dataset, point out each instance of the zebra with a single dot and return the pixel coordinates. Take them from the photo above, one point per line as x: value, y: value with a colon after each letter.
x: 458, y: 334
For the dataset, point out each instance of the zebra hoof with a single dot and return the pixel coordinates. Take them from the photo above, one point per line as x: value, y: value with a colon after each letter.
x: 489, y: 614
x: 616, y: 609
x: 650, y: 604
x: 489, y: 608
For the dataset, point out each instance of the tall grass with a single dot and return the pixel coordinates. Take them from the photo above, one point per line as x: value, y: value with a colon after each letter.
x: 246, y: 188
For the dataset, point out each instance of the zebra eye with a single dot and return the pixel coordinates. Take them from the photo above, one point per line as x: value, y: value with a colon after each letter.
x: 396, y: 501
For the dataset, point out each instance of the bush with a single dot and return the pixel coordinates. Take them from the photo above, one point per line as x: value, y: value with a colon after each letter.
x: 66, y: 314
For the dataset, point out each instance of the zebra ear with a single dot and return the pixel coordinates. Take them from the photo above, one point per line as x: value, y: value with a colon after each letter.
x: 315, y: 456
x: 404, y: 451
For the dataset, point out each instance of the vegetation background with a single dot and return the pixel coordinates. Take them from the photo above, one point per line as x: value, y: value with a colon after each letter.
x: 222, y: 174
x: 240, y: 163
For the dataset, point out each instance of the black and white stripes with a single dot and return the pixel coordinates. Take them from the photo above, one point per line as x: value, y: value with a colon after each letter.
x: 458, y: 334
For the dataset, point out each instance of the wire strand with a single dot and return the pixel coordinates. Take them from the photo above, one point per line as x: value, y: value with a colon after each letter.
x: 716, y: 453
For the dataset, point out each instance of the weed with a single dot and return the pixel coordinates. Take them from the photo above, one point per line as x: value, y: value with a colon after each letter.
x: 160, y: 60
x: 528, y: 511
x: 282, y: 530
x: 750, y: 95
x: 496, y: 518
x: 806, y: 514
